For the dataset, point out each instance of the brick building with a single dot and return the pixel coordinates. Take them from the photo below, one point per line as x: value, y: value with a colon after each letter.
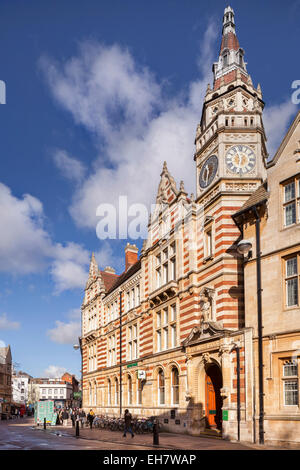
x: 168, y: 336
x: 5, y: 381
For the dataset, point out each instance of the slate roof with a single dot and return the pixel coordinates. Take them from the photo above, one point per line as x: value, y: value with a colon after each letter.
x: 260, y: 195
x: 124, y: 276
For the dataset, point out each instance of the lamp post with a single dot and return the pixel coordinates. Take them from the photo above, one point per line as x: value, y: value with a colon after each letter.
x: 244, y: 247
x: 76, y: 347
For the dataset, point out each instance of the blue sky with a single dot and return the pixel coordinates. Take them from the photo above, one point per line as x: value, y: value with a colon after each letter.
x: 99, y: 94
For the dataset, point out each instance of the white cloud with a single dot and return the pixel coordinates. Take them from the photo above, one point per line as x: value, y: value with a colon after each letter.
x: 54, y: 372
x: 71, y: 168
x: 23, y: 238
x: 69, y: 268
x: 6, y: 324
x: 123, y: 104
x: 276, y: 120
x: 65, y: 333
x: 137, y: 125
x: 26, y: 247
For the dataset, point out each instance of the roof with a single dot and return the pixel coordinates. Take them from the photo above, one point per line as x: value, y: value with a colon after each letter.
x: 109, y: 279
x: 230, y: 41
x: 260, y: 195
x: 125, y: 275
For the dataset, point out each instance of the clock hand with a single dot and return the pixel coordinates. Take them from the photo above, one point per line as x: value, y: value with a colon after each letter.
x: 240, y: 157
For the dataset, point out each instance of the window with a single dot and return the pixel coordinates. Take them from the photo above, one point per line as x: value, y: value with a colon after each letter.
x: 132, y: 342
x: 166, y: 265
x: 127, y: 301
x: 139, y: 389
x: 166, y: 328
x: 92, y: 352
x: 175, y: 385
x: 291, y: 202
x: 116, y: 392
x: 95, y: 394
x: 161, y: 387
x: 112, y: 355
x: 129, y: 396
x: 290, y: 383
x: 108, y: 392
x: 292, y: 281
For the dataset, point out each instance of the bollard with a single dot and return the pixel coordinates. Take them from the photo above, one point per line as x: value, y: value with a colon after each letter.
x: 155, y: 433
x: 77, y: 429
x: 44, y: 423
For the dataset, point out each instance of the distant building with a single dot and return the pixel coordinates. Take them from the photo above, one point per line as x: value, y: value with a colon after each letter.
x: 5, y: 380
x: 20, y: 386
x: 59, y: 389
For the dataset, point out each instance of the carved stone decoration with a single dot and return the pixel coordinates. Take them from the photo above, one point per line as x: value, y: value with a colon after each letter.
x: 207, y: 297
x: 206, y: 359
x: 224, y: 349
x: 224, y: 392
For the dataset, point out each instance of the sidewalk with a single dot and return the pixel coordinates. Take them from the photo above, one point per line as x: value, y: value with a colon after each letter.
x: 166, y: 440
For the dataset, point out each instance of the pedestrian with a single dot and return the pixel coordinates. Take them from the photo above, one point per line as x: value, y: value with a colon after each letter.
x: 127, y: 419
x: 65, y: 417
x: 73, y: 417
x: 82, y: 417
x: 91, y: 417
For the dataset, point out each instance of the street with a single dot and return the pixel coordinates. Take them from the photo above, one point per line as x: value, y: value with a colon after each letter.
x: 23, y: 435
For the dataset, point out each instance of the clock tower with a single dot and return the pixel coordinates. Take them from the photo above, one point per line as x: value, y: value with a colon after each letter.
x: 230, y: 139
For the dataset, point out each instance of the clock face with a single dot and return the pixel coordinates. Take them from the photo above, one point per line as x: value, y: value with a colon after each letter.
x: 240, y: 159
x: 208, y: 171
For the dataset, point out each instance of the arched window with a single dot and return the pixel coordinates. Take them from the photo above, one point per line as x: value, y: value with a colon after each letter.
x: 129, y: 391
x: 95, y: 393
x: 139, y: 389
x: 116, y: 391
x: 161, y: 387
x: 175, y: 385
x: 90, y: 393
x: 109, y: 392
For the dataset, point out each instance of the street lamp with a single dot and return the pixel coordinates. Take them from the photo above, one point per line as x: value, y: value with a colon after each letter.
x: 244, y: 247
x: 76, y: 347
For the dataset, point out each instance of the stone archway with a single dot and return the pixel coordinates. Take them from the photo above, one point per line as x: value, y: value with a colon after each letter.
x: 213, y: 399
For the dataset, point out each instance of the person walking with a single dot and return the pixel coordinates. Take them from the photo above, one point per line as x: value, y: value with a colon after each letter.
x: 73, y: 417
x: 82, y: 417
x: 127, y: 419
x: 65, y: 417
x: 91, y: 417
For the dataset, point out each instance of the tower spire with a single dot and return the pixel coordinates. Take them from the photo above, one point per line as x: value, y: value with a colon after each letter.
x: 231, y: 56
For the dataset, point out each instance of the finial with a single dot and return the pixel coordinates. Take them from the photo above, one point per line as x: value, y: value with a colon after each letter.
x: 181, y: 187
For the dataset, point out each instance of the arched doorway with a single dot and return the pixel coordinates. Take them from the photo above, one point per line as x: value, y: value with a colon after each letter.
x: 213, y: 399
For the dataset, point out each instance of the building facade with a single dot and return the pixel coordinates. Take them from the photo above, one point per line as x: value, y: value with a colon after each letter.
x: 170, y: 336
x: 5, y: 380
x: 275, y: 206
x: 53, y: 389
x: 20, y: 387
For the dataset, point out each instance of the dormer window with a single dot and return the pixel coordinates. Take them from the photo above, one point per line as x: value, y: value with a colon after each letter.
x: 225, y: 60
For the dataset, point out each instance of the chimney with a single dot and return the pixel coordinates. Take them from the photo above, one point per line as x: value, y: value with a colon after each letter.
x: 131, y: 255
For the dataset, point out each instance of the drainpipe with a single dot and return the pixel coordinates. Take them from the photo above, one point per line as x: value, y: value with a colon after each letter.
x: 238, y: 391
x: 259, y: 328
